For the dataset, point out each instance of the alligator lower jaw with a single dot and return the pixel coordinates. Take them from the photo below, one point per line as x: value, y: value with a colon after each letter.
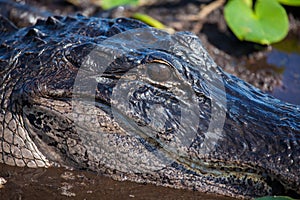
x: 234, y: 184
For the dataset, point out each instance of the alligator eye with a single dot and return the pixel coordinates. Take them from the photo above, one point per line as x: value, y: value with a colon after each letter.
x: 158, y: 71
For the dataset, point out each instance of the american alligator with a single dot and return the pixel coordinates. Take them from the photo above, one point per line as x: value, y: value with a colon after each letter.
x: 118, y: 97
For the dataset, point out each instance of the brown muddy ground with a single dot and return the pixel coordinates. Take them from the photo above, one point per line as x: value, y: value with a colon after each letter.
x: 274, y: 69
x: 59, y: 183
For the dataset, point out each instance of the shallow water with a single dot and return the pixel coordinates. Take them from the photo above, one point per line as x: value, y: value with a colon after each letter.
x: 60, y: 183
x: 286, y: 56
x: 283, y: 60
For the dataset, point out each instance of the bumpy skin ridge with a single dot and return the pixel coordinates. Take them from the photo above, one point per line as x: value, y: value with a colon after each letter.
x: 258, y: 153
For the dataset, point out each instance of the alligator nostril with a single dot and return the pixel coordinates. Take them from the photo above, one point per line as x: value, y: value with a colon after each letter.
x: 158, y: 72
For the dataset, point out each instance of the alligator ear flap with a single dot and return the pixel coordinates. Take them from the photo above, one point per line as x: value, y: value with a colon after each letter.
x: 6, y: 25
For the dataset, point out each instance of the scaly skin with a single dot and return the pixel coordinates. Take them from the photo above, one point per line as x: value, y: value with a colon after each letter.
x: 46, y: 117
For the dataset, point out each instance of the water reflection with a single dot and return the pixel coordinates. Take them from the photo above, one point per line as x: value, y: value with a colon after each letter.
x: 282, y: 61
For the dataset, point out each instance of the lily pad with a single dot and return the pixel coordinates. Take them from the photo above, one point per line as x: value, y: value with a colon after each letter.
x: 267, y: 23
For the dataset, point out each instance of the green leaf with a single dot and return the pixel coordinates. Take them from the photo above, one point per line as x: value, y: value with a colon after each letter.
x: 290, y: 2
x: 148, y: 20
x: 275, y: 198
x: 268, y: 23
x: 152, y: 22
x: 107, y: 4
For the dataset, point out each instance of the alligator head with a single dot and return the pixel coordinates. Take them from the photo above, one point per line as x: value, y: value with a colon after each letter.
x: 127, y: 100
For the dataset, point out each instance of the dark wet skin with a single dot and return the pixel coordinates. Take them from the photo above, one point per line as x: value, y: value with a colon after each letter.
x: 255, y: 153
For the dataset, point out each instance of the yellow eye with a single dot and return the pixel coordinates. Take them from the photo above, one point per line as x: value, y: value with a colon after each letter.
x: 159, y: 71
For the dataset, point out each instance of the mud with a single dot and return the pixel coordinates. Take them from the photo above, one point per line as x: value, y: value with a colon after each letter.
x: 60, y: 183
